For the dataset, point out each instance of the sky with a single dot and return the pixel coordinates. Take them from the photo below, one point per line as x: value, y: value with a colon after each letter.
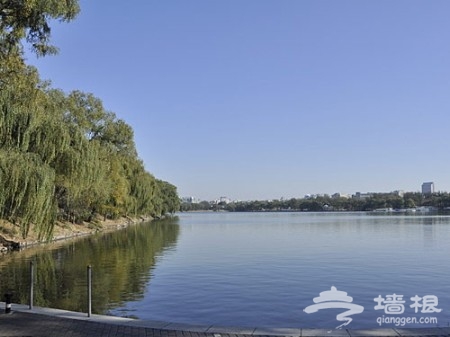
x: 262, y: 99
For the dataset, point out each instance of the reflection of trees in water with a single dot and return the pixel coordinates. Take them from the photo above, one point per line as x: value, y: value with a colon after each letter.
x: 121, y: 267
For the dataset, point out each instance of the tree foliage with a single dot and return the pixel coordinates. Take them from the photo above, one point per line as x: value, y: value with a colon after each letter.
x: 27, y: 191
x: 29, y: 20
x: 377, y: 201
x: 63, y: 156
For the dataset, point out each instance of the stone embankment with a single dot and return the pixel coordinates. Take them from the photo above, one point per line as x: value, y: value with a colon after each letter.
x: 10, y: 241
x: 40, y: 322
x: 6, y: 245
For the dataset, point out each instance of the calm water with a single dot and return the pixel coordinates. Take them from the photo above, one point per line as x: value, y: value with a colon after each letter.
x: 254, y: 269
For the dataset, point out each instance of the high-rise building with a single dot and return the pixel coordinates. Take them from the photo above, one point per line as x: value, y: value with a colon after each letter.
x: 428, y: 188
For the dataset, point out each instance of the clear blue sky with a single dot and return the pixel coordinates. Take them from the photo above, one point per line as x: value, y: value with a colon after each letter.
x: 265, y: 99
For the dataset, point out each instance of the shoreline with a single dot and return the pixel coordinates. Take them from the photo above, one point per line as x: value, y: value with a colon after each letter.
x: 55, y: 322
x: 62, y: 232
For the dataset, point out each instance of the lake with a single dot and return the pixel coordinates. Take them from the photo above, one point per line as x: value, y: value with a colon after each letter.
x: 309, y: 270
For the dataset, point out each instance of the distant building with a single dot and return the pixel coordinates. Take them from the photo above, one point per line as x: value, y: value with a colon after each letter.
x: 340, y: 195
x: 190, y: 200
x: 362, y: 196
x: 315, y: 196
x: 428, y: 188
x: 399, y: 193
x: 222, y: 200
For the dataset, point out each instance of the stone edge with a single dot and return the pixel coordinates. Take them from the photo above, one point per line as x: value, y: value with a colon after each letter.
x: 218, y: 330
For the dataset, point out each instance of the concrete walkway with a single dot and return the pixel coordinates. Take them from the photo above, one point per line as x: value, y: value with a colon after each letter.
x: 45, y: 322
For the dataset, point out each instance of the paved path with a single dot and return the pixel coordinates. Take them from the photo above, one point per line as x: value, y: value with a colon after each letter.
x: 45, y: 322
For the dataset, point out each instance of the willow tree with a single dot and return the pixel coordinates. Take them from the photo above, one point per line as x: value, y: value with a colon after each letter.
x: 27, y: 196
x: 31, y: 139
x: 166, y: 200
x: 27, y: 126
x: 62, y: 155
x: 29, y: 20
x: 142, y: 188
x: 96, y: 176
x: 82, y: 182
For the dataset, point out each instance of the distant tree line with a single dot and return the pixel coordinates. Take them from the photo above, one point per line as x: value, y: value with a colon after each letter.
x: 63, y: 156
x: 326, y: 203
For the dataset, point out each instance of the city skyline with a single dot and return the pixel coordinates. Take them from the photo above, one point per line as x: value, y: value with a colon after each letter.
x: 265, y: 99
x: 426, y: 188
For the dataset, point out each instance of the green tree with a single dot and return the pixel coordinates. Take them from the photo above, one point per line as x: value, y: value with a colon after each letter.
x: 27, y: 192
x: 28, y: 148
x: 29, y: 20
x: 62, y: 155
x: 169, y: 202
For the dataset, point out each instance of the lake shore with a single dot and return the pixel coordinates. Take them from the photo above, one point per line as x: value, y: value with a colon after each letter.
x: 10, y: 234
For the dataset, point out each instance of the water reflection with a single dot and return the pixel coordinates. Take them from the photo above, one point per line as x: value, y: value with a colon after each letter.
x: 264, y: 269
x: 122, y: 264
x: 247, y: 269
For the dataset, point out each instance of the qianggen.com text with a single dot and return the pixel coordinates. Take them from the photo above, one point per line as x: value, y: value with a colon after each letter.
x: 402, y: 321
